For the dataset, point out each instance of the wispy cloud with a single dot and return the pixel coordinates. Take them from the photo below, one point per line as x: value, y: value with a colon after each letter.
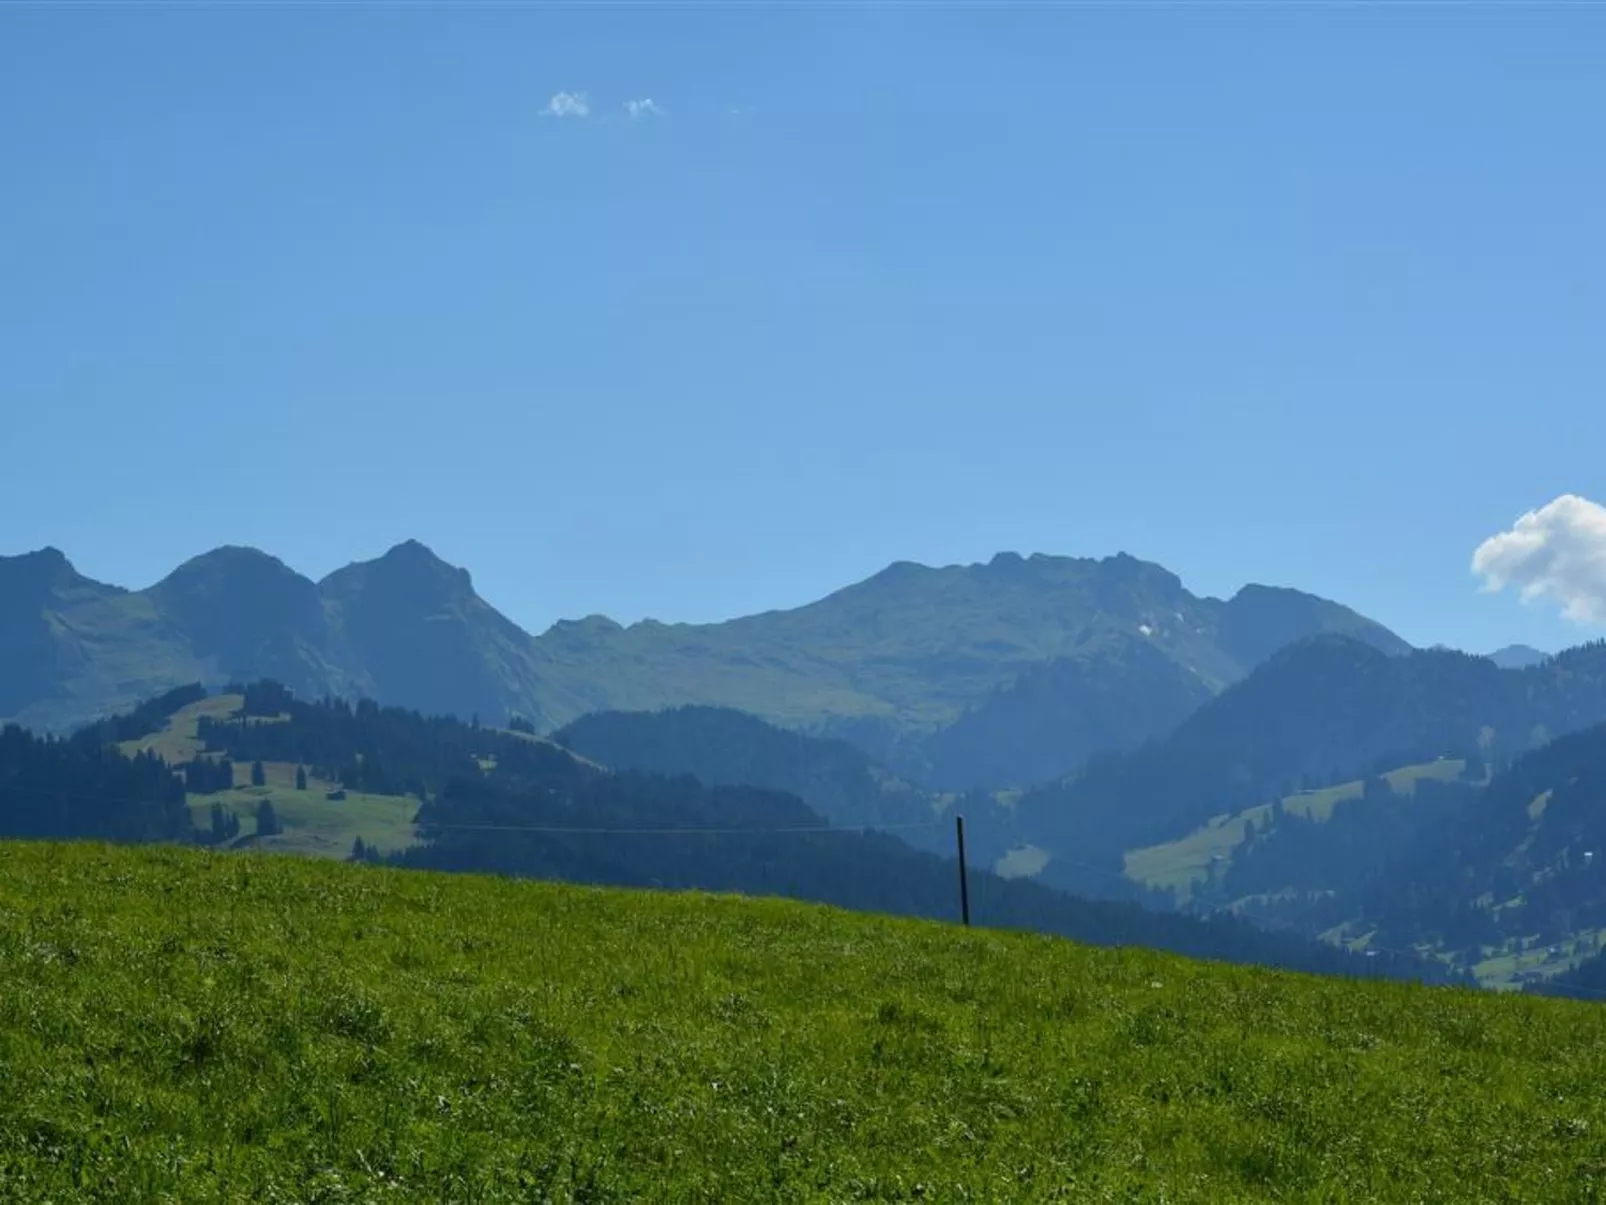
x: 645, y: 107
x: 568, y: 104
x: 1557, y: 552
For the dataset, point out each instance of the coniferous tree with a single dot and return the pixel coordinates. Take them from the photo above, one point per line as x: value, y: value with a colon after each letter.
x: 267, y: 819
x: 301, y: 778
x: 259, y: 776
x: 207, y: 777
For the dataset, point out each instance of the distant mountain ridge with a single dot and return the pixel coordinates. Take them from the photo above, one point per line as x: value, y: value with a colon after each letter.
x: 406, y: 628
x: 921, y: 666
x: 1518, y: 656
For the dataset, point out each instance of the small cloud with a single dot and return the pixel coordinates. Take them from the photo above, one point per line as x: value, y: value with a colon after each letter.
x: 568, y: 104
x: 646, y: 107
x: 1557, y: 552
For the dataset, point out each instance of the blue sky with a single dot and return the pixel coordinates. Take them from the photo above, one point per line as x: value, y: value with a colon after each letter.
x: 1310, y: 295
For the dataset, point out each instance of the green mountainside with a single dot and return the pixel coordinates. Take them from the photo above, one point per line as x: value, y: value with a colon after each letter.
x: 994, y: 674
x: 1499, y: 877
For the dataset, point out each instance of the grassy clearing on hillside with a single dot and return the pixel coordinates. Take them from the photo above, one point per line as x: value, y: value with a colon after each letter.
x: 1022, y: 862
x: 1181, y: 863
x: 179, y: 742
x: 179, y: 1025
x: 313, y: 824
x: 1507, y: 965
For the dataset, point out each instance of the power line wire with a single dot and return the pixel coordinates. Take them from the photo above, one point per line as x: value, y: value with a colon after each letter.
x: 856, y: 830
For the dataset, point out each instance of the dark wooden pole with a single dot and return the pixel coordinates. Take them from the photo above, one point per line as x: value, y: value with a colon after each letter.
x: 964, y: 879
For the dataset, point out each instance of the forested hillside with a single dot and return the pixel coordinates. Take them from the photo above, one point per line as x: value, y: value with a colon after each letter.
x: 1505, y: 879
x: 1523, y: 858
x: 722, y: 747
x: 1322, y: 711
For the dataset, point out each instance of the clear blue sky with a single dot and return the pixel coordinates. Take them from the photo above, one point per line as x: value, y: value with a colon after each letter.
x: 1310, y: 295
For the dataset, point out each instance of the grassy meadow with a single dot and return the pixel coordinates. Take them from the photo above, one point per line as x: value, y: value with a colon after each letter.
x: 178, y: 1025
x: 313, y: 824
x: 179, y: 741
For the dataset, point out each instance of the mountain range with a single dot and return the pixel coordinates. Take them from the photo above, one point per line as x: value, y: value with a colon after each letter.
x: 1002, y: 673
x: 1105, y: 731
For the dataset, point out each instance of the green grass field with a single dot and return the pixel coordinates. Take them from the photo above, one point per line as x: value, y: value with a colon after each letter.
x: 313, y: 824
x: 183, y: 1026
x: 1181, y: 863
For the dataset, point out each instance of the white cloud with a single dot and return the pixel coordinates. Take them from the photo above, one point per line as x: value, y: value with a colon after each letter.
x: 1556, y: 552
x: 646, y: 107
x: 568, y: 104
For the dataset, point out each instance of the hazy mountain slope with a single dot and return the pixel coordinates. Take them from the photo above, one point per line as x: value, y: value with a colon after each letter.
x: 1324, y: 710
x: 918, y: 645
x: 72, y: 648
x: 38, y: 653
x: 425, y: 640
x: 1517, y: 656
x: 249, y: 616
x: 730, y: 748
x: 892, y: 661
x: 1259, y: 620
x: 1057, y: 713
x: 405, y: 627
